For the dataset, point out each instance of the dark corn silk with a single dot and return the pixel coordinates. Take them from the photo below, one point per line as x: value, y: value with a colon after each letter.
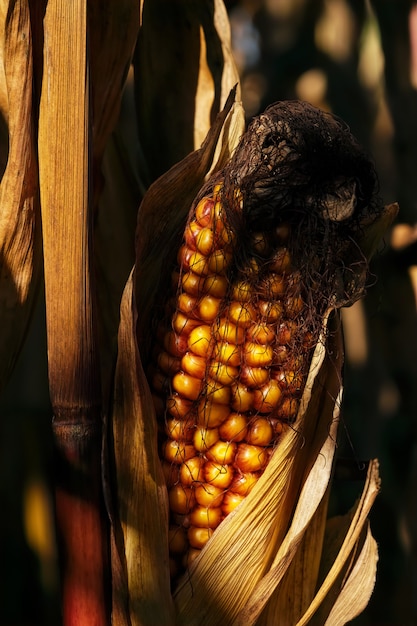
x: 265, y: 252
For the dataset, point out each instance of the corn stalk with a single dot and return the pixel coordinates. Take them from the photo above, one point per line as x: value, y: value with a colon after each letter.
x: 64, y: 68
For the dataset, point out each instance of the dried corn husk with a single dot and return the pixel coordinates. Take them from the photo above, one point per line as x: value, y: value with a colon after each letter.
x: 20, y: 245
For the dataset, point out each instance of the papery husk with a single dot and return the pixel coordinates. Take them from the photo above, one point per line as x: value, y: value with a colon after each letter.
x: 20, y: 245
x: 184, y: 70
x: 349, y: 560
x: 141, y: 587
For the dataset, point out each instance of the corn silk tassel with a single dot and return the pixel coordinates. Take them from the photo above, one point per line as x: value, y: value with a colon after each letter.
x: 273, y: 242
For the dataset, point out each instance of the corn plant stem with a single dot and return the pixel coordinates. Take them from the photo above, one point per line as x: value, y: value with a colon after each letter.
x: 64, y: 148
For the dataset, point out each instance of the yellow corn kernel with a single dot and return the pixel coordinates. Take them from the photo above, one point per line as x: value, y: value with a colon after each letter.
x: 188, y: 304
x: 270, y: 311
x: 208, y: 308
x: 242, y: 397
x: 200, y: 264
x: 231, y: 501
x: 204, y: 438
x: 191, y: 471
x: 234, y: 428
x: 215, y: 285
x: 177, y: 451
x: 183, y: 324
x: 205, y: 242
x: 226, y: 330
x: 198, y: 537
x: 211, y: 414
x: 241, y: 313
x: 273, y: 286
x: 200, y: 340
x: 187, y: 386
x: 260, y: 332
x: 204, y: 211
x: 216, y: 263
x: 227, y: 353
x: 260, y: 432
x: 192, y: 283
x: 268, y: 397
x: 206, y: 517
x: 191, y: 231
x: 222, y: 452
x: 244, y: 482
x: 216, y: 392
x: 218, y: 475
x: 253, y: 377
x: 167, y: 363
x: 207, y: 494
x: 242, y: 291
x: 180, y: 430
x: 222, y: 372
x: 193, y: 365
x: 179, y: 407
x: 250, y: 458
x: 257, y: 354
x: 181, y: 499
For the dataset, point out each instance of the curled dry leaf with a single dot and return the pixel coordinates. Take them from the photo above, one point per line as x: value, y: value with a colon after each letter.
x: 184, y: 71
x: 20, y: 246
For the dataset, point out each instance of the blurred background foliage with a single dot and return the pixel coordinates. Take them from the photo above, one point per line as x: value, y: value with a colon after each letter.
x: 357, y: 59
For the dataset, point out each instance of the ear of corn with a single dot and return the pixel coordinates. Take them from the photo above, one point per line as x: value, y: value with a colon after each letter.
x: 247, y: 423
x: 228, y: 371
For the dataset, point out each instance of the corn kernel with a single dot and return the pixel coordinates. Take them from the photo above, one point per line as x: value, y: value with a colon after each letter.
x: 198, y: 537
x: 193, y: 365
x: 207, y: 494
x: 222, y: 452
x: 218, y: 475
x: 204, y: 438
x: 260, y: 432
x: 268, y: 397
x: 250, y: 458
x: 186, y: 385
x: 234, y: 428
x: 231, y: 501
x: 181, y: 499
x: 200, y: 340
x: 211, y: 414
x: 206, y: 517
x: 191, y: 470
x: 177, y: 451
x: 242, y: 397
x: 208, y: 308
x: 257, y: 354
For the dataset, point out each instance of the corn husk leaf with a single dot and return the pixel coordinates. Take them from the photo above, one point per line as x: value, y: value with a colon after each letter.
x: 141, y: 586
x: 141, y: 593
x: 349, y: 562
x: 20, y: 249
x: 184, y: 70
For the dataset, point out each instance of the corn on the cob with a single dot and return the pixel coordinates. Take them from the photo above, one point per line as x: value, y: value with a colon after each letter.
x: 269, y: 246
x: 228, y: 370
